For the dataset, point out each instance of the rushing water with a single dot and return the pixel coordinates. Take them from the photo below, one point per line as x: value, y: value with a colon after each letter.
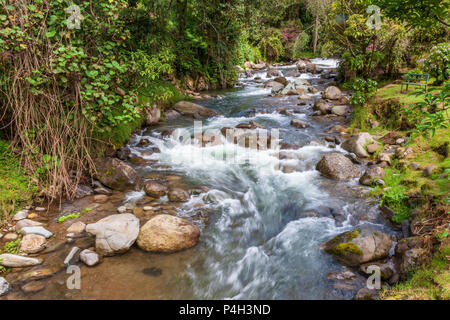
x: 259, y: 242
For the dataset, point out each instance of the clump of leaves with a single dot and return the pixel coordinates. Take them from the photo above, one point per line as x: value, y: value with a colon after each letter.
x: 438, y: 62
x: 430, y: 114
x: 363, y: 90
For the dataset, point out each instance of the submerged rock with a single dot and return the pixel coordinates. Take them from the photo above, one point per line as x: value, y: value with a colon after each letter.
x: 16, y: 261
x: 178, y: 195
x: 114, y: 234
x: 154, y: 189
x: 90, y: 258
x: 337, y: 166
x: 4, y: 286
x: 165, y: 233
x: 359, y: 246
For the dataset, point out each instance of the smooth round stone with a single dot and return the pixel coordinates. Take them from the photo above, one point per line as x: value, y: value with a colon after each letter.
x: 33, y: 287
x: 10, y: 237
x: 89, y: 257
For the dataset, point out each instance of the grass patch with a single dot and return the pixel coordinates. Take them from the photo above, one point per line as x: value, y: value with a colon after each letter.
x: 429, y: 282
x: 16, y: 189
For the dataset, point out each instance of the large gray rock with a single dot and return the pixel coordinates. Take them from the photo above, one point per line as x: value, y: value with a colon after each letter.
x: 275, y: 85
x: 337, y: 166
x: 165, y: 233
x: 116, y: 174
x: 20, y: 215
x: 26, y: 223
x: 332, y: 93
x: 16, y: 261
x: 114, y: 234
x: 4, y: 286
x: 192, y: 109
x: 357, y: 143
x: 359, y: 246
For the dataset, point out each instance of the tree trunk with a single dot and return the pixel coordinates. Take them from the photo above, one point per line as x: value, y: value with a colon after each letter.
x: 316, y: 34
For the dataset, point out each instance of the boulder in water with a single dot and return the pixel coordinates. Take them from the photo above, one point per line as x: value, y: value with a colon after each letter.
x: 337, y: 166
x: 114, y: 234
x: 192, y: 109
x: 166, y: 233
x: 359, y: 246
x: 332, y: 93
x: 154, y: 189
x: 116, y: 174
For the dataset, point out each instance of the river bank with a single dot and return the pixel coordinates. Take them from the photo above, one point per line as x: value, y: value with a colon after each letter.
x: 261, y: 224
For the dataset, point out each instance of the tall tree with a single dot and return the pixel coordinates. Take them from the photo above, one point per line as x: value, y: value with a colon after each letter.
x: 318, y: 9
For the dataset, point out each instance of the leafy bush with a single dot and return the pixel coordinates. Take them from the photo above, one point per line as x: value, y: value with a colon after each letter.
x: 438, y: 63
x: 271, y: 44
x: 363, y: 90
x: 301, y: 44
x: 432, y: 113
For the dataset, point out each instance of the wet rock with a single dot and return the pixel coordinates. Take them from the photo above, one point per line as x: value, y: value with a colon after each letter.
x: 4, y: 286
x: 337, y: 166
x: 101, y: 198
x: 83, y: 191
x: 299, y: 124
x: 123, y: 153
x: 359, y: 246
x: 20, y: 215
x: 356, y: 144
x: 165, y: 233
x: 143, y: 142
x: 332, y: 93
x: 116, y: 174
x: 272, y: 72
x: 153, y: 115
x: 339, y: 110
x: 32, y: 243
x: 114, y: 234
x: 102, y: 191
x: 178, y: 195
x: 73, y: 257
x: 371, y: 175
x: 367, y: 294
x: 322, y: 106
x: 172, y: 115
x: 346, y: 282
x: 386, y: 270
x: 16, y: 261
x: 39, y: 274
x: 154, y: 189
x: 36, y: 230
x: 77, y: 228
x: 428, y: 171
x: 89, y: 258
x: 192, y: 109
x: 122, y: 209
x: 33, y: 287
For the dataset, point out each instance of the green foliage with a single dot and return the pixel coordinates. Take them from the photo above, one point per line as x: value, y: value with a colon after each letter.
x: 12, y: 246
x: 363, y: 90
x: 16, y: 189
x: 301, y: 44
x: 394, y: 195
x: 68, y: 217
x: 271, y: 45
x: 437, y: 64
x: 431, y: 114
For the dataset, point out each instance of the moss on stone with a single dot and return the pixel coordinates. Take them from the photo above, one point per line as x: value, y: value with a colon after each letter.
x: 343, y: 249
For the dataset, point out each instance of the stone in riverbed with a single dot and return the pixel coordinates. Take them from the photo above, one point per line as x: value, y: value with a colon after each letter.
x: 41, y: 273
x: 299, y: 124
x: 20, y: 215
x: 73, y: 256
x: 359, y: 246
x: 89, y: 258
x: 4, y: 286
x: 165, y: 233
x: 101, y: 198
x: 16, y: 261
x: 192, y: 109
x: 372, y: 148
x: 36, y: 230
x: 339, y: 110
x: 33, y: 287
x: 154, y: 189
x: 332, y: 93
x: 116, y: 174
x: 337, y: 166
x: 178, y: 195
x: 32, y: 243
x: 10, y: 237
x: 114, y: 234
x: 322, y: 106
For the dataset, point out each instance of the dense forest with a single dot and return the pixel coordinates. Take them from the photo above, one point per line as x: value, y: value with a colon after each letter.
x: 78, y: 78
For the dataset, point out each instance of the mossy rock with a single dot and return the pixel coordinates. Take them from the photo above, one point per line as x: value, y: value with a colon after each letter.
x: 359, y: 246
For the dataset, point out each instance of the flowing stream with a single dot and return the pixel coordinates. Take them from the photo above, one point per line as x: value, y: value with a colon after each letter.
x: 259, y: 241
